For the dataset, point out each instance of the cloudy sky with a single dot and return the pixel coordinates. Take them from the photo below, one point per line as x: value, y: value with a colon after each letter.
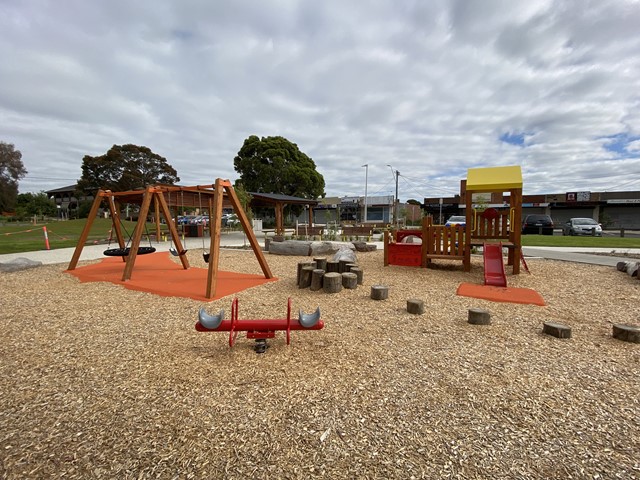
x: 431, y: 88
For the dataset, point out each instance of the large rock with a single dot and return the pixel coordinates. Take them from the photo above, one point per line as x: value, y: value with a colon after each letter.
x: 345, y: 254
x: 364, y: 247
x: 290, y: 247
x: 329, y: 248
x: 18, y: 264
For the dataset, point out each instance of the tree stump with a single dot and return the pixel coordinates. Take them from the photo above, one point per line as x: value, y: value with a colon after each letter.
x: 342, y: 266
x: 305, y: 277
x: 556, y: 329
x: 349, y: 280
x: 349, y: 266
x: 316, y: 279
x: 621, y: 266
x: 478, y: 316
x: 332, y: 266
x: 358, y: 272
x: 301, y: 265
x: 332, y: 282
x: 379, y: 292
x: 321, y: 263
x: 627, y: 333
x: 415, y: 306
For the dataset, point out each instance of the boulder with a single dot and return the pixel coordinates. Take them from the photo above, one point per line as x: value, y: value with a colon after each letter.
x: 345, y: 255
x: 328, y: 248
x: 290, y: 247
x: 18, y: 264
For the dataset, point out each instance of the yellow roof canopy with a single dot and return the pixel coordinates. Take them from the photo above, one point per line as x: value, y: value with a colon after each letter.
x: 494, y: 179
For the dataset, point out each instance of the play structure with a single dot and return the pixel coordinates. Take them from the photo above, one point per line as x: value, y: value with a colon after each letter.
x: 163, y: 198
x: 492, y: 228
x: 261, y: 329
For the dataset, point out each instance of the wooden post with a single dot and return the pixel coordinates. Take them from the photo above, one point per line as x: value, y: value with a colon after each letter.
x: 342, y: 266
x: 305, y: 277
x: 246, y: 226
x: 333, y: 266
x: 627, y: 333
x: 556, y: 330
x: 415, y: 306
x: 316, y: 279
x: 379, y: 292
x: 85, y: 231
x: 386, y: 248
x: 332, y: 282
x: 359, y: 274
x: 478, y: 316
x: 214, y: 244
x: 301, y: 265
x: 349, y: 280
x: 349, y: 266
x: 137, y: 234
x: 321, y: 263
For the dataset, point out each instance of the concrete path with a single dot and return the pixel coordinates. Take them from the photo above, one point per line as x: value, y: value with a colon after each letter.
x: 583, y: 255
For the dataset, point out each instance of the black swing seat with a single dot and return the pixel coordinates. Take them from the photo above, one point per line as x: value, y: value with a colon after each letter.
x: 175, y: 253
x: 210, y: 322
x: 205, y: 256
x: 124, y: 252
x: 308, y: 320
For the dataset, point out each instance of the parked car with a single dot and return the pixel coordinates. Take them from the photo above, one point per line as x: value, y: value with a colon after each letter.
x: 536, y: 223
x: 582, y: 226
x: 456, y: 220
x: 184, y: 219
x: 230, y: 220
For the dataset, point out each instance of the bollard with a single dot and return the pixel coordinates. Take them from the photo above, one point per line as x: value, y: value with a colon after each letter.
x: 46, y: 238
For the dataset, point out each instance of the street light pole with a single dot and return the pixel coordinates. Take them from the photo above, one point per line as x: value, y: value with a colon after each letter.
x: 366, y: 179
x: 396, y: 173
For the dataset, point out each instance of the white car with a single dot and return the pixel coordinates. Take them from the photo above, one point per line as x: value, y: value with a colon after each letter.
x: 457, y: 220
x: 230, y: 220
x: 582, y: 226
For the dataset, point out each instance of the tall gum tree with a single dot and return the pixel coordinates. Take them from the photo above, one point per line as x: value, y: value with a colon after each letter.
x: 125, y: 167
x: 11, y: 171
x: 276, y: 165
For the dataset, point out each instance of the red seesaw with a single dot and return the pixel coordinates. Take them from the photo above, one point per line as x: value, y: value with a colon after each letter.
x: 260, y: 329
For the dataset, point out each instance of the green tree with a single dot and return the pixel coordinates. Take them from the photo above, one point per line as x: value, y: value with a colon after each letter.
x: 244, y: 197
x: 275, y: 165
x: 29, y: 204
x: 11, y: 171
x: 125, y: 167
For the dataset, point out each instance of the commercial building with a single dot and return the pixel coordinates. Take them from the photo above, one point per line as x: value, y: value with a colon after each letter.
x: 613, y: 210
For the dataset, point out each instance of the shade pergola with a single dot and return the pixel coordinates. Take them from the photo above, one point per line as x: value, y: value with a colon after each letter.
x: 278, y: 202
x: 214, y: 197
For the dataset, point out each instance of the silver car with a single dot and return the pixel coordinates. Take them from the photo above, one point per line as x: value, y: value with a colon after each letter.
x: 582, y: 226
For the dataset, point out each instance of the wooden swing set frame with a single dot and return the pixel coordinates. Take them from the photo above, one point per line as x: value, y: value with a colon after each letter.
x: 217, y: 195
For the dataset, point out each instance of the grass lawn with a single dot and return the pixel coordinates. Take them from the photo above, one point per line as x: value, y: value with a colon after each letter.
x: 27, y: 237
x: 586, y: 241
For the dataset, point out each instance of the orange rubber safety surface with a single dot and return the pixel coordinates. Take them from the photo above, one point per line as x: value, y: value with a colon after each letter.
x: 157, y: 273
x: 501, y: 294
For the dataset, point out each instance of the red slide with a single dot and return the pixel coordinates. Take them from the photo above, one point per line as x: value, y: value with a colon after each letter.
x: 494, y: 265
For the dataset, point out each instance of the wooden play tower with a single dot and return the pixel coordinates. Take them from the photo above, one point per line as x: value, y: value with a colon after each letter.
x: 163, y: 197
x: 483, y: 225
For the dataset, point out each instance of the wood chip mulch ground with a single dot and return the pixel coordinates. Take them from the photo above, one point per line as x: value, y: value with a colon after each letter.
x: 97, y: 381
